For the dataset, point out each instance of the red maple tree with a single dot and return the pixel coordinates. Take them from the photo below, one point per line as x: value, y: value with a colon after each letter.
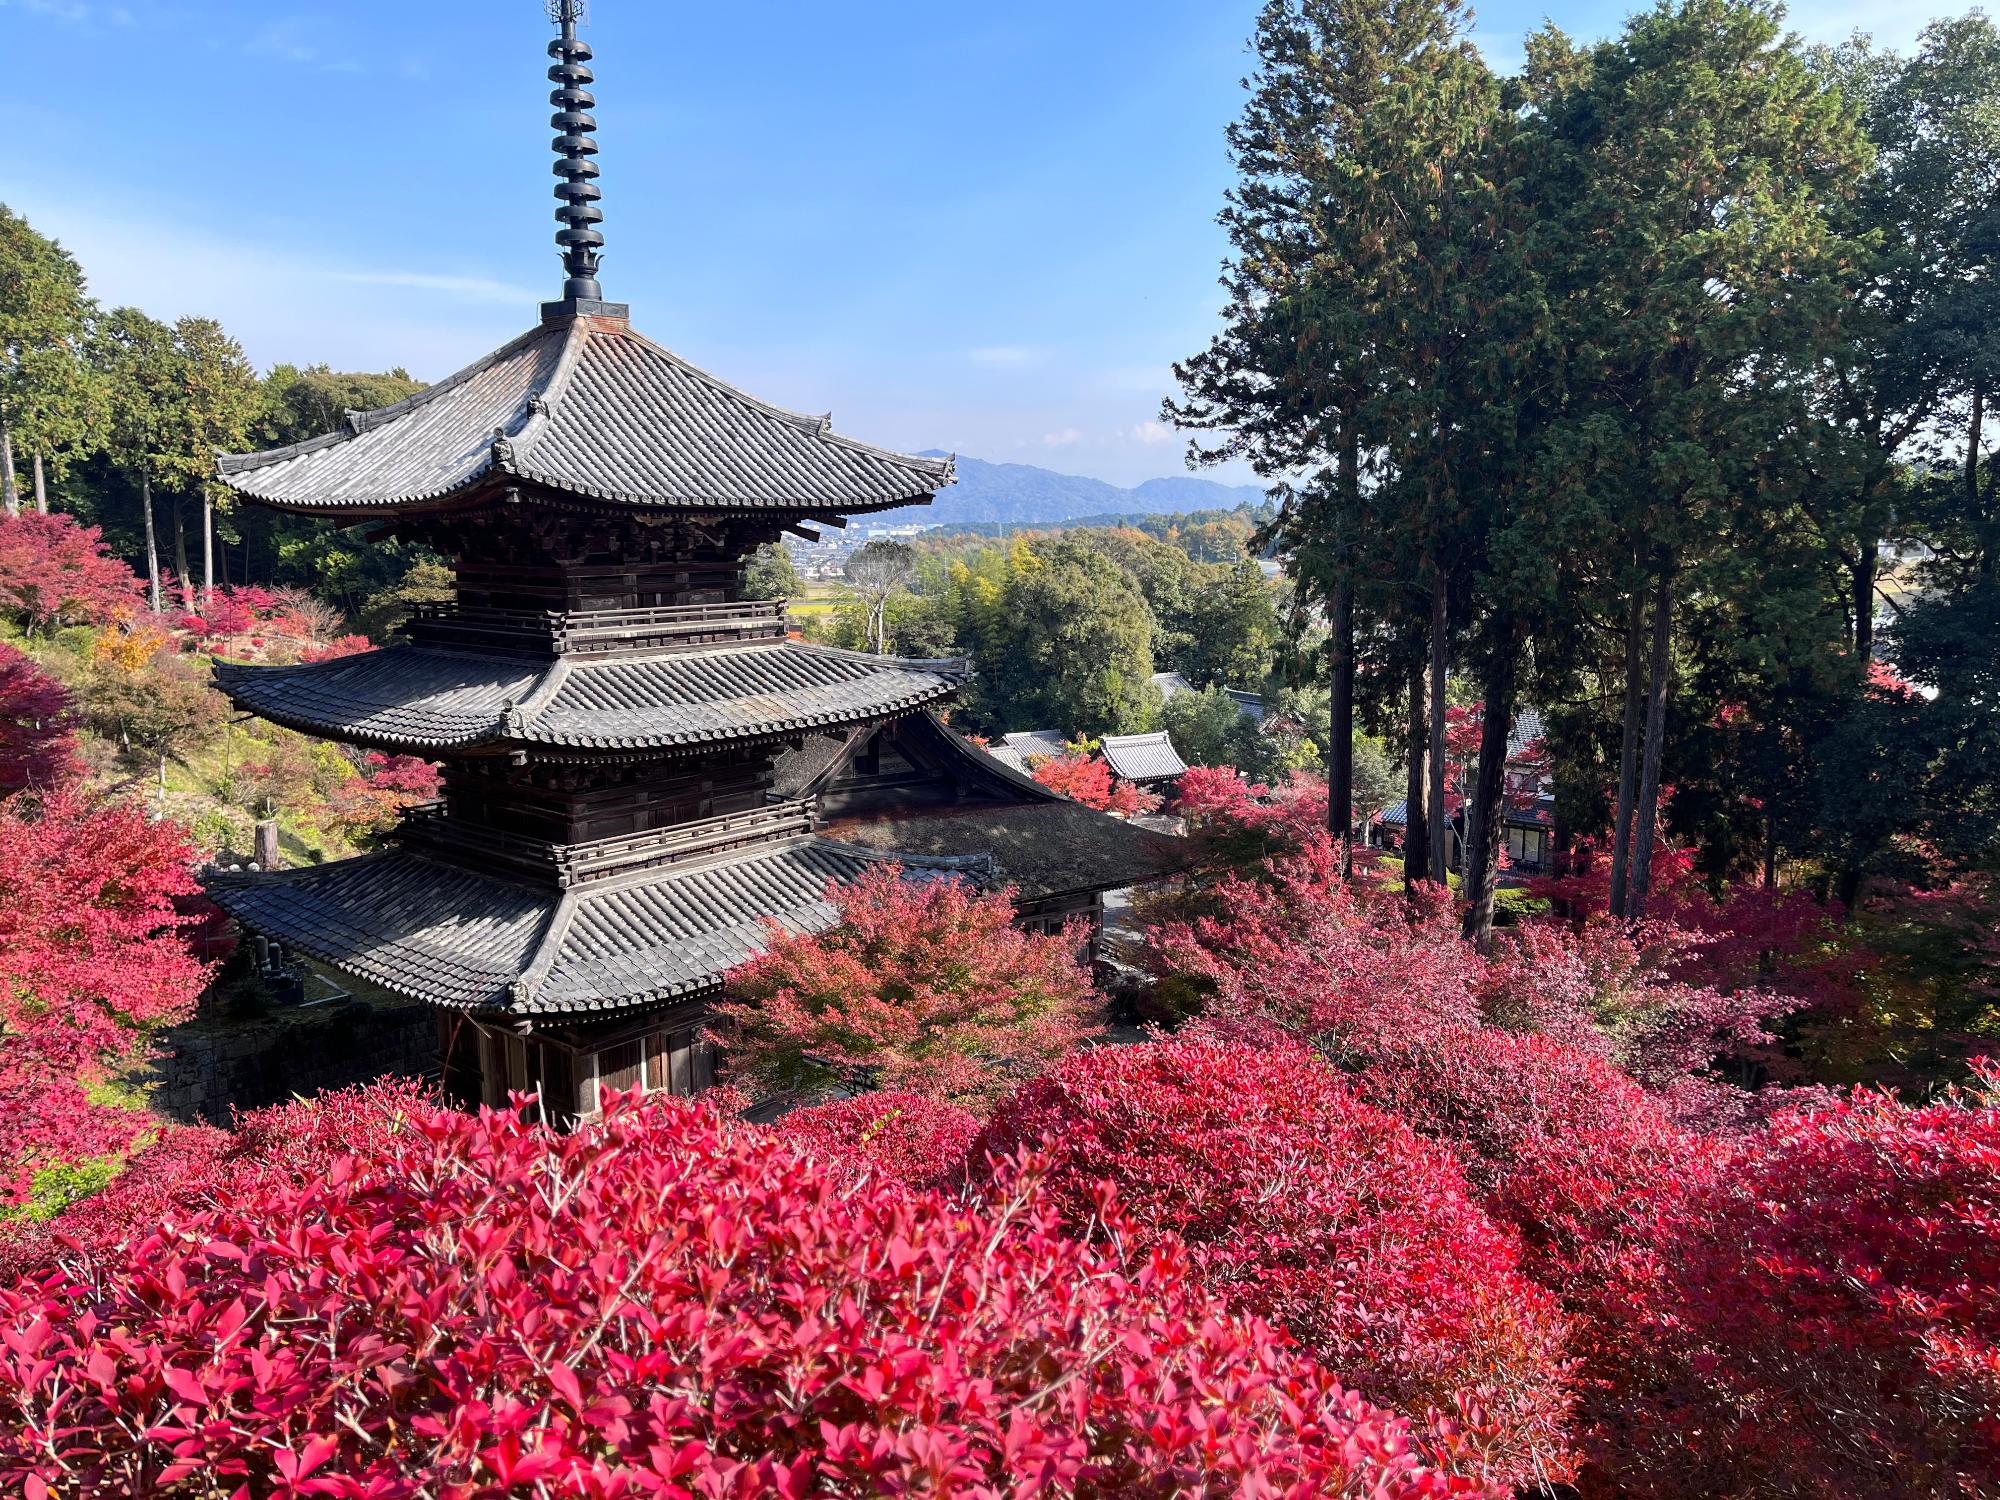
x: 1086, y: 779
x: 56, y: 572
x: 91, y: 958
x: 921, y: 984
x: 37, y: 740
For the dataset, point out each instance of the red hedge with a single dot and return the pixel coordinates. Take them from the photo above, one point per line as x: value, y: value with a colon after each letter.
x: 1569, y: 1151
x: 1830, y: 1320
x: 1300, y: 1203
x: 905, y: 1137
x: 661, y: 1305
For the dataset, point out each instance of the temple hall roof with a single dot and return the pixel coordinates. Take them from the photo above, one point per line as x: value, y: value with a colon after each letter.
x: 429, y: 698
x: 585, y: 406
x: 1032, y: 742
x: 438, y: 932
x: 1008, y: 756
x: 1142, y: 757
x: 1053, y: 848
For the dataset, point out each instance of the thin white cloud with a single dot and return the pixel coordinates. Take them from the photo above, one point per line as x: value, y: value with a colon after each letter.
x: 282, y: 304
x: 58, y: 10
x: 288, y: 38
x: 1152, y: 432
x: 1003, y: 356
x: 1062, y: 439
x: 470, y: 288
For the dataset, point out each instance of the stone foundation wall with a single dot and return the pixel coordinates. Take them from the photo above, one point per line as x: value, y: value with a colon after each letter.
x: 211, y: 1066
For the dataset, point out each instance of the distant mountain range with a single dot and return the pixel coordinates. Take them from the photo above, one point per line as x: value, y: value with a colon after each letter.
x: 1021, y: 494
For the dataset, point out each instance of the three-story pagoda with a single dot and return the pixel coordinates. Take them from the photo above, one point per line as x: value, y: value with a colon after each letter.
x: 641, y: 767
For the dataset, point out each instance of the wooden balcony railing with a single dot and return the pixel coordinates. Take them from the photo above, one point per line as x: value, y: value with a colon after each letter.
x: 598, y: 632
x: 431, y: 827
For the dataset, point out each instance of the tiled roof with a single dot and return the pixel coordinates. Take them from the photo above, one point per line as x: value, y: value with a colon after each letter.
x: 1527, y: 730
x: 433, y: 699
x: 1008, y: 756
x: 1043, y: 848
x: 1142, y: 757
x: 1030, y: 742
x: 588, y: 407
x: 420, y: 927
x: 442, y: 934
x: 1541, y: 813
x: 1171, y: 684
x: 1252, y: 704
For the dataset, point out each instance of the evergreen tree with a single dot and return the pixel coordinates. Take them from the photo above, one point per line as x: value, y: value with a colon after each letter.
x: 141, y: 369
x: 1694, y: 263
x: 769, y: 573
x: 1066, y: 643
x: 51, y: 406
x: 1342, y: 225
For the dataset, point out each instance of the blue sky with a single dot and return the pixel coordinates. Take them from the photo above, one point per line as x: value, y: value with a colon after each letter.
x: 982, y: 228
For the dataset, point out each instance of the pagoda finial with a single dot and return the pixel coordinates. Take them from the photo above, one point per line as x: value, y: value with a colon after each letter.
x: 574, y: 146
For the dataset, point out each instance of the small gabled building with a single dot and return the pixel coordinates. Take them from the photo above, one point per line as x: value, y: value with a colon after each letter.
x: 1527, y: 820
x: 1249, y: 704
x: 1027, y: 745
x: 642, y: 771
x: 1147, y: 760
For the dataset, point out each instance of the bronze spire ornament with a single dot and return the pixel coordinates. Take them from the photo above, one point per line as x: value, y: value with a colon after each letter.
x: 575, y: 144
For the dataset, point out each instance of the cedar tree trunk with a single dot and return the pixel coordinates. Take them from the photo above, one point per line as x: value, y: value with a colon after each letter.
x: 1340, y: 742
x: 1628, y: 749
x: 1440, y: 819
x: 152, y: 541
x: 41, y: 488
x: 10, y: 489
x: 1647, y: 813
x: 1489, y: 798
x: 1416, y: 826
x: 181, y: 552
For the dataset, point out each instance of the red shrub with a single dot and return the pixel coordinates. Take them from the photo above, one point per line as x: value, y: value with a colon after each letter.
x: 663, y: 1304
x: 1612, y: 989
x: 1088, y: 780
x: 1351, y: 967
x: 160, y: 1181
x: 1565, y: 1148
x: 1830, y: 1323
x: 902, y: 1136
x: 924, y: 985
x: 91, y: 957
x: 37, y: 743
x: 190, y: 1168
x: 1302, y: 1204
x: 1363, y: 969
x: 55, y: 572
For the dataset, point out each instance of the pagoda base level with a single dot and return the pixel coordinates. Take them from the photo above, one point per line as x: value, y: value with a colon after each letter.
x: 571, y: 1071
x: 572, y: 992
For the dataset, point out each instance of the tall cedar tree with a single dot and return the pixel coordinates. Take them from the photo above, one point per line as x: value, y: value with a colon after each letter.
x: 1348, y: 108
x: 51, y: 404
x: 142, y: 369
x: 1694, y: 264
